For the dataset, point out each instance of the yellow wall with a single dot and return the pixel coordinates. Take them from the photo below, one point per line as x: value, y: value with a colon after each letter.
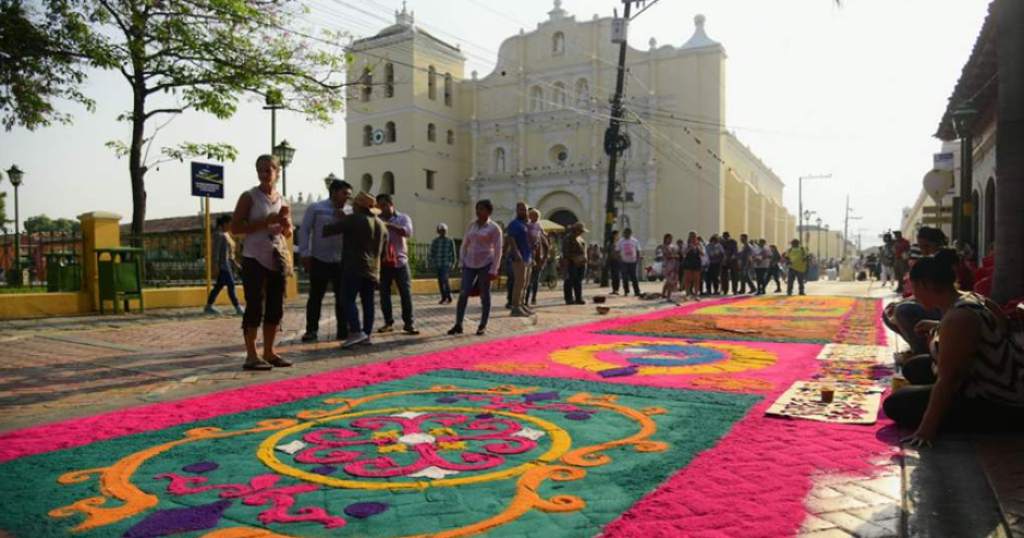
x: 43, y: 305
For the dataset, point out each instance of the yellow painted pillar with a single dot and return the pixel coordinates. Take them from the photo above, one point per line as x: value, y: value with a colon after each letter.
x: 100, y: 229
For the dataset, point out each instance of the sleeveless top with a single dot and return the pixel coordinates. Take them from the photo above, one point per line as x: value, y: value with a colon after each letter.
x: 260, y: 245
x: 691, y: 258
x: 997, y: 372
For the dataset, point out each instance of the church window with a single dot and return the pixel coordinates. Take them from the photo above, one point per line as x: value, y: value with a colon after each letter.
x: 536, y: 99
x: 448, y: 89
x: 451, y: 137
x: 367, y: 183
x: 558, y: 43
x: 431, y: 175
x: 390, y: 132
x: 558, y: 154
x: 387, y: 184
x: 559, y: 97
x: 432, y: 83
x: 582, y: 92
x: 389, y: 80
x: 499, y: 160
x: 367, y: 135
x: 367, y: 87
x: 431, y: 132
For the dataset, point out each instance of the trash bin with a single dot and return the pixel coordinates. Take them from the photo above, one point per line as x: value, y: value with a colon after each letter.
x: 120, y: 276
x: 63, y: 272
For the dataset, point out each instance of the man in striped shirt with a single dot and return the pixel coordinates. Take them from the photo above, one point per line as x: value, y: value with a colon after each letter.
x: 442, y: 259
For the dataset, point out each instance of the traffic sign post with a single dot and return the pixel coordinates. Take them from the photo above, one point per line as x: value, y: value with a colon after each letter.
x: 207, y: 182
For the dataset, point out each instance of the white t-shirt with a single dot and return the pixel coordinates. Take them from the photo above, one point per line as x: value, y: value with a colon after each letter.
x: 629, y: 249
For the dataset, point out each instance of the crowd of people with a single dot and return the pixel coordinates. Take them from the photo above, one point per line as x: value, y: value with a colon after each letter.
x: 356, y: 246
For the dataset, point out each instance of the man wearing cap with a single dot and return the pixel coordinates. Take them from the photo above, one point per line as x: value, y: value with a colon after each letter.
x: 366, y: 237
x: 395, y: 266
x: 574, y: 256
x: 321, y: 257
x: 442, y: 259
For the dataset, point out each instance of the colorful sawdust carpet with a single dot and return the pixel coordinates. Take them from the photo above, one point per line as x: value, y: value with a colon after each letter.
x: 580, y: 431
x: 848, y: 404
x: 809, y: 319
x: 451, y: 452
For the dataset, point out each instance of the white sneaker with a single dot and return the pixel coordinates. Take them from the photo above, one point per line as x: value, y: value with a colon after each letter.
x: 354, y: 339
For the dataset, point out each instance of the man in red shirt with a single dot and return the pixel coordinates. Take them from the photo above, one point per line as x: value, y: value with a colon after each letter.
x: 901, y: 255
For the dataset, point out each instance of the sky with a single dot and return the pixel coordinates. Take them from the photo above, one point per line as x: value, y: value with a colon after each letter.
x: 855, y: 91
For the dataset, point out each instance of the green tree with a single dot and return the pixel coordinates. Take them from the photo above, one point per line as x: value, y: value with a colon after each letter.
x: 204, y: 56
x: 38, y: 223
x: 43, y: 60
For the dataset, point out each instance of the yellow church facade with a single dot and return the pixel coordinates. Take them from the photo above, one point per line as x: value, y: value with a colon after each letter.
x: 420, y: 128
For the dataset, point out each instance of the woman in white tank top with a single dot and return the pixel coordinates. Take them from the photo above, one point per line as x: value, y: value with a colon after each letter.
x: 262, y: 216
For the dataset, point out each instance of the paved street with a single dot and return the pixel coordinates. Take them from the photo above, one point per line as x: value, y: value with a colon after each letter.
x: 60, y: 369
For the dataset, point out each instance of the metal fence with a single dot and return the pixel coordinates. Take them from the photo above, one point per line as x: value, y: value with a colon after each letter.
x: 49, y: 261
x: 172, y: 259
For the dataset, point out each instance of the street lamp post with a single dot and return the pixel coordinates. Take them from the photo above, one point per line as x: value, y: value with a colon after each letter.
x: 963, y: 123
x: 805, y: 216
x: 15, y: 174
x: 828, y: 248
x: 284, y: 153
x: 817, y: 232
x: 331, y: 178
x: 800, y: 209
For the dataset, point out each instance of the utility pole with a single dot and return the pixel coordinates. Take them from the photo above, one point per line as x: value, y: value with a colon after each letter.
x: 614, y: 144
x: 846, y: 226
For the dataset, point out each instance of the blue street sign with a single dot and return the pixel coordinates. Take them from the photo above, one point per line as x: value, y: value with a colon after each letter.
x: 207, y: 180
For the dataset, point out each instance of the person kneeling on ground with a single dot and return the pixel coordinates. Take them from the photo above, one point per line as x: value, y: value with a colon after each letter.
x: 979, y: 368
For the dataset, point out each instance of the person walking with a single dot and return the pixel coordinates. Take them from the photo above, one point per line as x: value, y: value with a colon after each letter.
x: 730, y: 264
x: 541, y: 248
x: 442, y: 259
x: 775, y: 269
x: 364, y: 245
x: 715, y: 254
x: 521, y: 252
x: 886, y: 259
x: 321, y: 258
x: 762, y: 261
x: 261, y: 215
x: 691, y: 265
x: 613, y: 263
x: 628, y: 251
x: 669, y: 267
x: 745, y: 266
x: 796, y: 258
x: 480, y: 256
x: 574, y: 256
x: 395, y: 266
x: 224, y: 261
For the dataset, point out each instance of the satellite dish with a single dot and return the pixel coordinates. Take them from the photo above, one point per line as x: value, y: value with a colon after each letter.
x: 937, y: 183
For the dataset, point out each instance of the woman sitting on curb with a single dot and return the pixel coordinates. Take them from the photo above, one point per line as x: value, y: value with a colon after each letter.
x: 978, y: 379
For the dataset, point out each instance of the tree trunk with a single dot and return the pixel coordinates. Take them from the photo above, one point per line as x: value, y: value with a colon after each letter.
x: 1008, y: 280
x: 137, y: 168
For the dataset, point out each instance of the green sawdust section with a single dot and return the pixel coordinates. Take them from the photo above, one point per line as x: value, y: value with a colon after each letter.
x: 694, y: 422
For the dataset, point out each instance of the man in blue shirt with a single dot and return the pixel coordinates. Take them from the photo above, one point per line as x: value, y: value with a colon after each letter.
x: 321, y: 258
x: 520, y: 252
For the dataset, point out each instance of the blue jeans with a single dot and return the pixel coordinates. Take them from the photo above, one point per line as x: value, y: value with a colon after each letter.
x: 401, y: 277
x: 443, y: 284
x: 362, y: 288
x: 628, y: 273
x: 905, y: 316
x: 224, y: 280
x: 479, y: 278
